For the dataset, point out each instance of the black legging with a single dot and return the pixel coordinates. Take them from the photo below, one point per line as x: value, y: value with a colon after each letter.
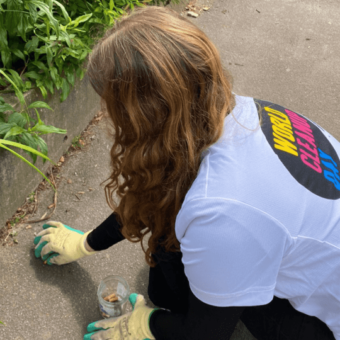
x: 278, y: 320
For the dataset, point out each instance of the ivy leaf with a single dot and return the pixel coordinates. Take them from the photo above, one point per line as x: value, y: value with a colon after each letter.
x: 18, y: 119
x: 39, y: 104
x: 65, y: 90
x: 15, y: 130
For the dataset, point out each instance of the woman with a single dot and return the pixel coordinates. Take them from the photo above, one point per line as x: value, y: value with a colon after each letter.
x: 240, y: 196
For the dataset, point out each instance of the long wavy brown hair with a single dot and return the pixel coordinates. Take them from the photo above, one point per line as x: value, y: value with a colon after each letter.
x: 167, y: 94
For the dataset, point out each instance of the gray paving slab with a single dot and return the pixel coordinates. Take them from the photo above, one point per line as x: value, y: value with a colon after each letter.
x: 286, y: 51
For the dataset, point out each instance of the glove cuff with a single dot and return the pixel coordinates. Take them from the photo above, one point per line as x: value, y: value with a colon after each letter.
x: 82, y: 245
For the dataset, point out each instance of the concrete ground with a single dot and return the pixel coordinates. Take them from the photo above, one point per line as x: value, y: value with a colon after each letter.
x: 285, y: 51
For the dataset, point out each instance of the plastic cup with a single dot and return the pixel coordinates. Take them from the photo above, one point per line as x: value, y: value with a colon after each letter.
x: 113, y: 284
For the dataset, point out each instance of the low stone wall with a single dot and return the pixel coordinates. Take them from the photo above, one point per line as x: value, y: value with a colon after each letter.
x: 18, y: 179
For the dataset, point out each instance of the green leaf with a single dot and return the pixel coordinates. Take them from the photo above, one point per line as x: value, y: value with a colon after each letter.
x: 49, y: 85
x: 33, y: 11
x: 15, y: 130
x: 18, y: 145
x: 38, y: 116
x: 80, y: 19
x: 65, y: 37
x: 13, y: 16
x: 49, y: 55
x: 63, y: 10
x: 42, y: 145
x: 2, y: 118
x: 46, y: 10
x: 3, y: 36
x: 17, y: 80
x: 28, y: 85
x: 70, y: 77
x: 39, y: 104
x: 17, y: 91
x: 6, y: 58
x: 6, y: 107
x: 19, y: 54
x: 54, y: 73
x: 45, y: 129
x: 33, y: 75
x: 40, y: 65
x: 65, y: 90
x: 5, y: 127
x: 18, y: 119
x: 32, y: 44
x: 43, y: 91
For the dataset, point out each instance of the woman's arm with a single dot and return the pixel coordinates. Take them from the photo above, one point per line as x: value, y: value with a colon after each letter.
x: 202, y: 321
x: 105, y: 235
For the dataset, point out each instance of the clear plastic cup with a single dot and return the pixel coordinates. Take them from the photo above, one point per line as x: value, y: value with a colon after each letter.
x: 113, y: 284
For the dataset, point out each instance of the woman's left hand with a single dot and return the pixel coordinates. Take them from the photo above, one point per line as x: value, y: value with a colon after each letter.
x: 131, y: 326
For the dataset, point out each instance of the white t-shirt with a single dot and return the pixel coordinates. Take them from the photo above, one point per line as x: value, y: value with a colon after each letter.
x: 262, y: 218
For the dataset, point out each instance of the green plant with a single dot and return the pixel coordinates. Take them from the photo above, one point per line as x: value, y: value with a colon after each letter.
x: 16, y: 129
x: 43, y: 45
x: 31, y: 197
x: 75, y: 142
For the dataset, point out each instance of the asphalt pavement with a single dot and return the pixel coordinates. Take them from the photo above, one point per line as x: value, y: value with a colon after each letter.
x: 284, y: 51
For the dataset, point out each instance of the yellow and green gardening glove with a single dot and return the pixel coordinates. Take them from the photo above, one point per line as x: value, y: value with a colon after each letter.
x: 131, y: 326
x: 60, y: 244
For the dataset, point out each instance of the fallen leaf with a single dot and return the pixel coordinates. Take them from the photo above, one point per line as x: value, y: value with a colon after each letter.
x: 192, y: 14
x: 206, y: 8
x: 91, y: 189
x: 51, y: 206
x: 15, y: 241
x: 29, y: 227
x: 19, y: 209
x: 81, y: 192
x: 62, y: 159
x: 69, y: 181
x: 81, y: 142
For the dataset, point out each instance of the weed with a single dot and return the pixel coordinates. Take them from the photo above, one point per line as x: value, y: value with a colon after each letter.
x: 76, y: 142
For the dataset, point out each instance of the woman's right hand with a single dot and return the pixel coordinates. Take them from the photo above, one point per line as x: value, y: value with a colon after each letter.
x: 60, y: 244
